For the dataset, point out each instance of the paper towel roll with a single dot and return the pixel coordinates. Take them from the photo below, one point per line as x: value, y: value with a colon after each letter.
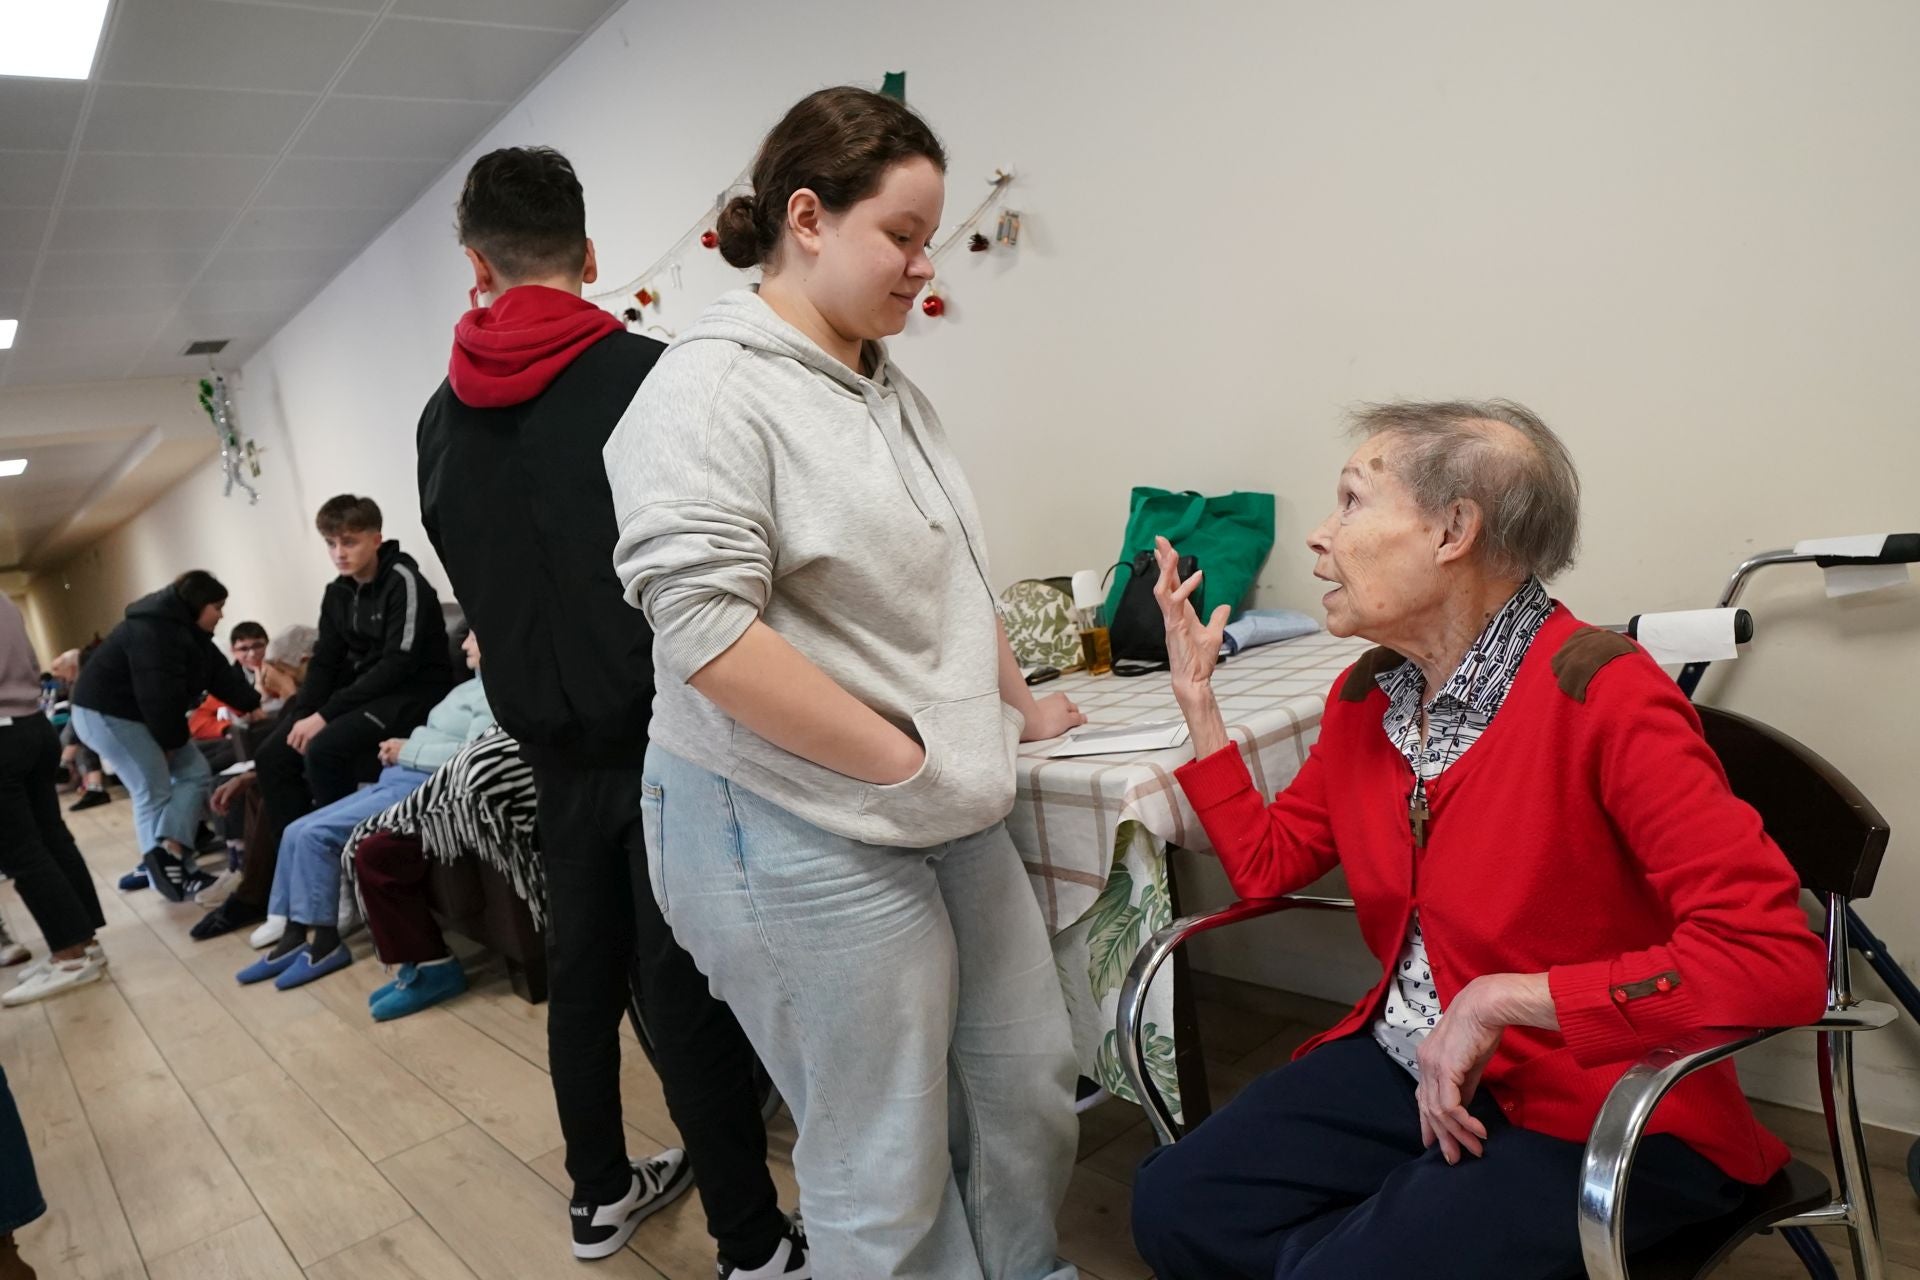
x: 1087, y: 591
x: 1689, y: 635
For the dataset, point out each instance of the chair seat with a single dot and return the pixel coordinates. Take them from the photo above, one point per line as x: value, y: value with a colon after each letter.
x: 1698, y: 1249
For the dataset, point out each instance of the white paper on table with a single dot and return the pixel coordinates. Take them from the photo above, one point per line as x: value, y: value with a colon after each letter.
x: 1852, y: 579
x: 1859, y: 544
x: 1689, y: 635
x: 1100, y: 740
x: 235, y: 770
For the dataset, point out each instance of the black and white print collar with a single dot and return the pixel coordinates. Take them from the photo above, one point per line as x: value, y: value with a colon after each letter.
x: 1481, y: 681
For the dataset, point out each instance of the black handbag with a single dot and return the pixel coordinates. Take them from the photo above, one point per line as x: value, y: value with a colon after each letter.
x: 1137, y: 631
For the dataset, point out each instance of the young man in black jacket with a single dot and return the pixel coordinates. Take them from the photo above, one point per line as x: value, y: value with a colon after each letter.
x: 514, y: 496
x: 380, y: 664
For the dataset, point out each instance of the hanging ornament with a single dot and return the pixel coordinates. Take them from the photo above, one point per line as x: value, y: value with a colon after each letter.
x: 1008, y: 232
x: 977, y: 244
x: 235, y: 453
x: 631, y: 315
x: 645, y: 297
x: 934, y: 305
x: 709, y: 239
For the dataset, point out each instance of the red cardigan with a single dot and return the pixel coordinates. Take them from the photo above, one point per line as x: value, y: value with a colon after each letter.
x: 1594, y: 839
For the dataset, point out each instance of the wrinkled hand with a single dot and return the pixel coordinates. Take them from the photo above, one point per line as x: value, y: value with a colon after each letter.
x: 390, y: 750
x: 1451, y: 1059
x: 227, y: 792
x: 1052, y: 716
x: 1193, y: 649
x: 304, y: 732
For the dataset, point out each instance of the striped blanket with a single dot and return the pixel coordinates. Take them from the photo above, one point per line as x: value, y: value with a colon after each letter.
x: 481, y: 802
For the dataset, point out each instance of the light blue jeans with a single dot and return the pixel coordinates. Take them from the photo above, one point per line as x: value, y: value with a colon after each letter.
x: 169, y: 788
x: 905, y: 1002
x: 306, y: 878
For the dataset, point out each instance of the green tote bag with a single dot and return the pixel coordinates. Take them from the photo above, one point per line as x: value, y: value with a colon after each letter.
x: 1230, y: 535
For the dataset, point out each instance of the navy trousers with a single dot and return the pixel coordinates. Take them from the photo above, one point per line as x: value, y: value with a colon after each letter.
x: 1316, y: 1171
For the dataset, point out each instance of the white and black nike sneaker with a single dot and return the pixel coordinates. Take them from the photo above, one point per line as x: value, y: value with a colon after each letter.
x: 789, y: 1261
x: 599, y: 1230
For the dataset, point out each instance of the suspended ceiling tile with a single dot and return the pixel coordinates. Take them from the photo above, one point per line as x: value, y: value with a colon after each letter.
x: 171, y: 182
x: 30, y: 178
x: 203, y: 121
x: 38, y: 115
x: 122, y: 268
x: 209, y: 44
x: 408, y: 58
x: 390, y: 128
x: 308, y: 228
x: 572, y: 15
x: 320, y: 182
x: 156, y: 230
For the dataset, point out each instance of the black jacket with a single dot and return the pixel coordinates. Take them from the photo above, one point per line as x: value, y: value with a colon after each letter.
x: 516, y: 502
x: 376, y: 638
x: 156, y: 666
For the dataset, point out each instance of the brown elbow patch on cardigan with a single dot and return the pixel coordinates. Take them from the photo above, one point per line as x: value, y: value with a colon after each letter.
x: 1583, y: 654
x: 1363, y: 678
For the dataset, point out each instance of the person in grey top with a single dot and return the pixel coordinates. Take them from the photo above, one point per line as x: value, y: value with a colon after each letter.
x: 837, y: 709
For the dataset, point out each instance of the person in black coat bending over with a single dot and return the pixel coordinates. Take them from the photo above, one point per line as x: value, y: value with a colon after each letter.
x: 514, y: 496
x: 130, y: 707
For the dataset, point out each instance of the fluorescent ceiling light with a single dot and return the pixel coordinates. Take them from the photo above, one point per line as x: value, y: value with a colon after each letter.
x: 50, y: 39
x: 7, y: 329
x: 12, y: 466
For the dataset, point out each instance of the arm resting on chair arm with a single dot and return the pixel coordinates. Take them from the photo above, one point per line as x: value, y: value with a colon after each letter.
x: 1133, y: 992
x: 1622, y: 1122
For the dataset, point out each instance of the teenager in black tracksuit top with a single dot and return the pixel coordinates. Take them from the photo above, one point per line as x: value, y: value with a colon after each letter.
x: 513, y: 494
x: 380, y: 664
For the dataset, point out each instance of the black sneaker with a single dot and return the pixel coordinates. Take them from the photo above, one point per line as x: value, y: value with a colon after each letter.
x: 789, y: 1261
x: 166, y: 873
x: 90, y: 800
x: 599, y: 1230
x: 225, y: 918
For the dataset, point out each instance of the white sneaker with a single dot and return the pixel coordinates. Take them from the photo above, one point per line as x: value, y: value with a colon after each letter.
x: 599, y: 1230
x: 789, y: 1261
x: 61, y: 976
x: 269, y: 933
x: 12, y: 953
x: 39, y: 967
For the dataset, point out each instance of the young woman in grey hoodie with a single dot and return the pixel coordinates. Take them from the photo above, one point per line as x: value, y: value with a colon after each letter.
x: 832, y: 745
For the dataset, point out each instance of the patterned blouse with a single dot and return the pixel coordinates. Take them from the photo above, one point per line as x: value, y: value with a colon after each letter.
x: 1456, y: 718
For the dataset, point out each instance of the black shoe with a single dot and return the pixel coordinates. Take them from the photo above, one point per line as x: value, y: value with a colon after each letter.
x: 225, y: 918
x: 90, y: 800
x: 599, y: 1230
x: 789, y: 1261
x: 166, y: 873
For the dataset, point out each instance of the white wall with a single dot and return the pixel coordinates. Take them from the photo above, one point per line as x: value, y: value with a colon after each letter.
x: 1681, y: 233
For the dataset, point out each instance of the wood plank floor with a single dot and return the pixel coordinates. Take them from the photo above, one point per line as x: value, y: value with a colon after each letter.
x: 188, y: 1127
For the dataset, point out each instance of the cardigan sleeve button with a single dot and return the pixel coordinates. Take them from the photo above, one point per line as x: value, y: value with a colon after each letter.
x: 1619, y: 995
x: 1663, y: 984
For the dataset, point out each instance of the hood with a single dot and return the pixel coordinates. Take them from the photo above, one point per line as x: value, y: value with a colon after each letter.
x: 892, y: 405
x: 390, y: 555
x: 164, y: 605
x: 510, y: 352
x: 741, y: 316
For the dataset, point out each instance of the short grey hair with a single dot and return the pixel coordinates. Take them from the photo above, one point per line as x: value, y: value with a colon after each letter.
x: 1529, y: 497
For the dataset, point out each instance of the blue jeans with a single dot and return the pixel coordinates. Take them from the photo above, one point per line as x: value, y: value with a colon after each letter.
x: 306, y: 879
x: 905, y: 1002
x: 169, y: 788
x: 20, y: 1201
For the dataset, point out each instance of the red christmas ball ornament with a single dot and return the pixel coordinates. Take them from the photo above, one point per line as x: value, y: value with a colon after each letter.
x: 934, y: 305
x: 709, y: 239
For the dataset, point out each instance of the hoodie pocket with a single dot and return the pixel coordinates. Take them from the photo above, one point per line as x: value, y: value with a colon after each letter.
x: 966, y: 782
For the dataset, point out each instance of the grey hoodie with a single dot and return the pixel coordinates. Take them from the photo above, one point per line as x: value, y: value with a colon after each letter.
x: 755, y: 476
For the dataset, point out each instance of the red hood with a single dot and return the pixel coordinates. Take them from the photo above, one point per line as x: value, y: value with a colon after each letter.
x: 512, y: 351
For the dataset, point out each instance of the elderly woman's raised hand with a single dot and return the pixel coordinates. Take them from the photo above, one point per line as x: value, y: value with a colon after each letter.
x: 1193, y: 649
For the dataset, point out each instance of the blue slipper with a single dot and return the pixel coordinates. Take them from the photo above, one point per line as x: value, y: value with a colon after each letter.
x: 267, y: 967
x: 306, y: 968
x: 134, y: 879
x: 425, y: 987
x: 402, y: 976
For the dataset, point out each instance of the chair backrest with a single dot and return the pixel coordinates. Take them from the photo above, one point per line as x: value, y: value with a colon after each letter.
x: 1829, y: 831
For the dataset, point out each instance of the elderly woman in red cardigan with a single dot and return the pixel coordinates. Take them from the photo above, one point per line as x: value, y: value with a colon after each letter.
x: 1547, y: 862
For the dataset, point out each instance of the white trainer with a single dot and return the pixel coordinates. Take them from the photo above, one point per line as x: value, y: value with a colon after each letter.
x: 62, y: 975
